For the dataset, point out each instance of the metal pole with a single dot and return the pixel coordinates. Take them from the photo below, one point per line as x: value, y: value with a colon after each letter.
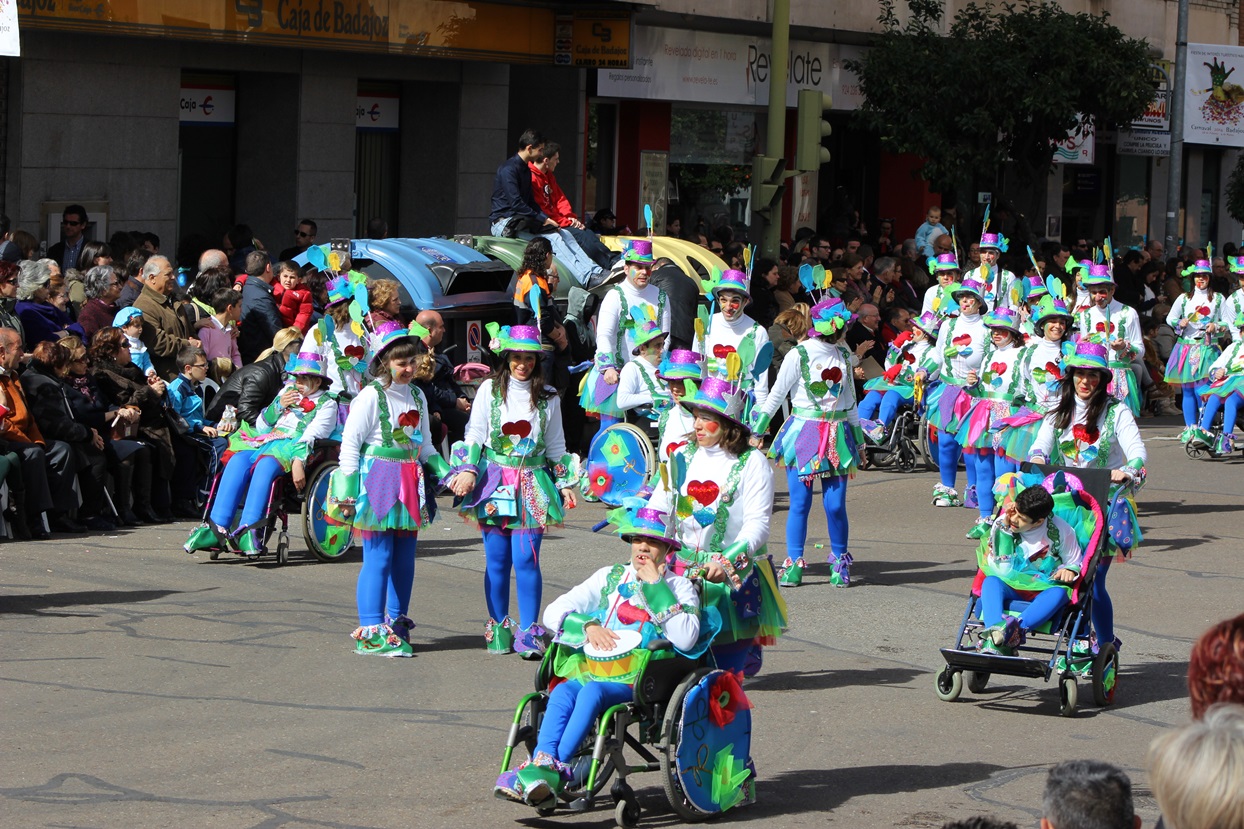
x: 1175, y: 175
x: 775, y: 137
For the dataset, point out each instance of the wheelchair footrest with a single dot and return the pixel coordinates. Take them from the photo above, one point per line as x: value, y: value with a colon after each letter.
x: 993, y: 663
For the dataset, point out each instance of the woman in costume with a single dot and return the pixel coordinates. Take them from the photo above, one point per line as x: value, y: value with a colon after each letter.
x: 1039, y: 372
x: 640, y: 390
x: 820, y: 440
x: 677, y: 422
x: 1225, y: 393
x: 938, y: 299
x: 515, y: 479
x: 338, y: 337
x: 615, y: 331
x: 1194, y: 316
x: 301, y: 414
x: 380, y: 487
x: 1091, y: 429
x: 731, y: 331
x: 1109, y: 322
x: 883, y: 395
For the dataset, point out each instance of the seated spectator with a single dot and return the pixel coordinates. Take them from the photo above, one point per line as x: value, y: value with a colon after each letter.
x: 604, y: 223
x: 11, y: 476
x: 1088, y: 794
x: 102, y: 286
x: 46, y: 383
x: 253, y: 386
x: 9, y: 273
x: 384, y: 300
x: 552, y: 201
x: 199, y: 450
x: 130, y: 322
x: 293, y: 299
x: 1196, y: 772
x: 1216, y: 666
x: 536, y: 271
x: 125, y: 385
x: 220, y: 335
x: 41, y: 320
x: 58, y: 293
x: 897, y: 321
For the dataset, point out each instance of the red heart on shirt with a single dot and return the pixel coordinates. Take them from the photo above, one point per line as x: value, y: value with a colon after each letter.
x: 998, y: 368
x: 909, y: 357
x: 355, y: 351
x: 1204, y: 310
x: 673, y: 447
x: 962, y: 339
x: 521, y: 428
x: 721, y: 351
x: 703, y: 491
x: 306, y: 404
x: 1084, y: 434
x: 1101, y: 326
x: 409, y: 418
x: 1054, y: 371
x: 629, y: 614
x: 833, y: 374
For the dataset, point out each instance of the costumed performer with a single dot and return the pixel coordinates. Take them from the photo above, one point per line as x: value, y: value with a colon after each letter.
x: 1109, y: 322
x: 1224, y: 393
x: 1039, y: 372
x: 641, y: 393
x: 1194, y: 316
x: 677, y: 422
x: 883, y: 395
x: 732, y: 331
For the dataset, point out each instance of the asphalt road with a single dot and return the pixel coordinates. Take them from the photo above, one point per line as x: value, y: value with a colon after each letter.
x: 141, y: 687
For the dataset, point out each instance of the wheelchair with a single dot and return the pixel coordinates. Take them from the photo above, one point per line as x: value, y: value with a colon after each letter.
x: 1060, y: 644
x: 906, y: 444
x: 1216, y: 448
x: 284, y: 501
x: 673, y: 734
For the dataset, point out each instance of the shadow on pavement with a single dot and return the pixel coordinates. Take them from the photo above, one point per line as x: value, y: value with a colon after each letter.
x: 35, y: 604
x: 891, y: 573
x: 819, y: 789
x: 1144, y: 507
x: 825, y: 680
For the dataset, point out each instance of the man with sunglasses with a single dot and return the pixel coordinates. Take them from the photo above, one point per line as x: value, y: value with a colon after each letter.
x: 73, y: 237
x: 304, y: 237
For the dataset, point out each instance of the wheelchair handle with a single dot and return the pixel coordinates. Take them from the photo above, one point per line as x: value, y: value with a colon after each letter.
x: 660, y: 645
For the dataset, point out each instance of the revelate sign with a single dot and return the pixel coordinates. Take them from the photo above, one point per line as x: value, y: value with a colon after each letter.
x: 1214, y: 96
x: 206, y: 105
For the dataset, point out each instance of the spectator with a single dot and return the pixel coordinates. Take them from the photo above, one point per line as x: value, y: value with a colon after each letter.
x: 384, y: 300
x: 212, y: 258
x: 604, y: 223
x: 238, y: 244
x: 1088, y: 794
x: 943, y: 244
x: 93, y: 254
x: 46, y: 384
x: 58, y: 292
x: 122, y: 244
x: 304, y: 237
x: 733, y: 254
x: 1197, y: 772
x: 973, y: 256
x: 536, y: 271
x: 199, y: 450
x: 47, y: 465
x: 864, y: 338
x: 220, y: 335
x: 293, y: 299
x: 39, y: 318
x: 682, y: 297
x: 788, y: 330
x: 196, y: 313
x: 260, y: 317
x: 788, y: 285
x: 130, y: 321
x: 446, y: 398
x: 930, y: 230
x: 377, y: 229
x: 126, y: 386
x: 897, y: 321
x: 150, y: 242
x: 853, y: 267
x: 883, y: 284
x: 163, y: 331
x: 1216, y: 666
x: 72, y: 233
x: 133, y: 285
x: 552, y: 201
x: 1155, y: 250
x: 764, y: 304
x: 9, y: 274
x: 254, y: 385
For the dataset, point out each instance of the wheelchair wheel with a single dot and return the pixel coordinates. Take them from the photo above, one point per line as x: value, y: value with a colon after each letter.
x: 926, y: 446
x: 948, y: 684
x: 1067, y: 694
x: 626, y: 814
x: 282, y: 548
x: 906, y: 457
x: 978, y: 681
x: 316, y: 530
x: 1105, y: 675
x: 674, y: 793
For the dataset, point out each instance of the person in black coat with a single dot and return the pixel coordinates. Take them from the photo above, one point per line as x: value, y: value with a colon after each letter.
x: 252, y: 387
x: 683, y: 295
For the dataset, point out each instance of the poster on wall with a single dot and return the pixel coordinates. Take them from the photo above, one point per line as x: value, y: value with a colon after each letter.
x: 10, y: 43
x: 1214, y: 95
x: 654, y: 173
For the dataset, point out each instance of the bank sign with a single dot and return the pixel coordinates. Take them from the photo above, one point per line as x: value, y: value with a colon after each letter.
x: 206, y: 105
x: 685, y: 65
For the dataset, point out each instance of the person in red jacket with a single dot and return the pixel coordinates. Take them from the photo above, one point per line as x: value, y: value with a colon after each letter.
x: 293, y: 299
x: 553, y: 203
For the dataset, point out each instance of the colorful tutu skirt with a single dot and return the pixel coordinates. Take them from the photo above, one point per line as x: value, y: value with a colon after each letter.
x: 818, y: 448
x: 1224, y: 388
x: 946, y: 406
x: 755, y: 611
x: 392, y: 496
x: 515, y: 498
x: 880, y: 384
x: 268, y: 444
x: 1123, y: 386
x: 975, y: 427
x: 1190, y: 361
x: 1016, y: 433
x: 600, y: 397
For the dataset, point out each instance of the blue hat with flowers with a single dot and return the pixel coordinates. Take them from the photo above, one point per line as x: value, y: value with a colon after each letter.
x: 1098, y: 274
x: 1003, y: 318
x: 681, y: 364
x: 1034, y: 288
x: 943, y: 262
x: 1048, y: 308
x: 639, y: 250
x: 1199, y: 266
x: 829, y: 316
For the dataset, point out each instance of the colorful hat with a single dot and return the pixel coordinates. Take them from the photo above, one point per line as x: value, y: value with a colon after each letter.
x: 1072, y: 265
x: 340, y: 289
x: 390, y: 333
x: 829, y: 316
x: 681, y: 365
x: 971, y: 287
x: 505, y: 338
x: 645, y: 523
x: 1088, y: 354
x: 308, y: 364
x: 735, y: 281
x: 1034, y: 288
x: 1048, y: 308
x: 124, y: 316
x: 1003, y: 318
x: 639, y: 250
x: 1236, y: 264
x: 928, y: 322
x: 721, y: 397
x: 994, y: 241
x: 943, y: 262
x: 1199, y: 266
x: 1098, y: 275
x: 645, y: 333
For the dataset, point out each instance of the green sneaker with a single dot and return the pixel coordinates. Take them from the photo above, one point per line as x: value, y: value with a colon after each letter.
x: 380, y: 640
x: 979, y: 530
x: 541, y: 780
x: 792, y: 573
x: 499, y: 637
x: 248, y: 545
x: 987, y: 646
x: 202, y: 537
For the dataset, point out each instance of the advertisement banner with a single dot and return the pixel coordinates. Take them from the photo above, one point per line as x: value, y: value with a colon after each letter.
x: 709, y: 67
x: 1157, y: 115
x: 1144, y: 142
x: 1214, y: 96
x: 1076, y: 149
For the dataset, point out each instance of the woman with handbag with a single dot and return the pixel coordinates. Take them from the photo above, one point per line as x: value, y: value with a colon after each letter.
x: 515, y: 479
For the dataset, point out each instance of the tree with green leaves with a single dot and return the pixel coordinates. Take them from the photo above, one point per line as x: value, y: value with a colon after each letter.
x: 985, y: 103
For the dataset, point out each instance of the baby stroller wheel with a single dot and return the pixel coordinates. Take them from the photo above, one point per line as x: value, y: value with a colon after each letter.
x: 978, y: 681
x: 949, y: 684
x: 1067, y: 694
x: 1194, y: 452
x: 1105, y: 675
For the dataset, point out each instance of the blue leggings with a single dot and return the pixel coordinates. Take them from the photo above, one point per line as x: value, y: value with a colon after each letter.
x: 733, y: 657
x: 1231, y: 411
x: 1190, y: 403
x: 387, y: 577
x: 834, y: 499
x: 573, y: 707
x: 1103, y: 608
x: 607, y: 420
x: 995, y: 591
x: 988, y: 466
x: 888, y: 402
x: 244, y: 477
x: 518, y: 550
x: 948, y: 452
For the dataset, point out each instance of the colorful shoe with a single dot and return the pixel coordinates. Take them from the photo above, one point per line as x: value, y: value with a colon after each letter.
x: 1008, y: 634
x: 944, y: 496
x: 541, y: 780
x: 969, y: 498
x: 987, y: 646
x: 840, y: 569
x: 248, y: 545
x: 874, y: 430
x: 979, y: 530
x: 499, y: 637
x: 1199, y: 438
x: 1225, y: 445
x: 380, y: 640
x: 401, y: 625
x: 1188, y: 434
x: 506, y: 787
x: 791, y: 574
x: 531, y: 643
x: 755, y: 660
x: 1082, y: 653
x: 202, y: 537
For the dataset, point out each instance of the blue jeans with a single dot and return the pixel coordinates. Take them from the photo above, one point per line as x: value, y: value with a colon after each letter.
x: 583, y: 270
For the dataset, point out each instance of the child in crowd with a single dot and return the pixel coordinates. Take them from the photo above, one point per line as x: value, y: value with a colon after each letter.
x: 219, y: 335
x: 293, y: 299
x: 185, y: 398
x: 130, y: 321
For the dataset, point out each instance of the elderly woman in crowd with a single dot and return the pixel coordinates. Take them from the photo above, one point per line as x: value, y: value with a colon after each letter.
x: 103, y: 285
x: 41, y: 320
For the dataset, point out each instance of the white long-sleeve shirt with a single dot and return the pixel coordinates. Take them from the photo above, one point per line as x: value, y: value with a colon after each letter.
x: 823, y: 358
x: 969, y: 326
x: 1040, y: 369
x: 1104, y: 327
x: 682, y: 629
x: 1199, y: 311
x: 947, y: 307
x: 750, y: 512
x: 514, y: 409
x: 678, y: 424
x: 1232, y: 309
x: 1126, y: 446
x: 633, y: 391
x: 1231, y: 359
x: 610, y: 315
x: 728, y: 334
x: 320, y: 427
x: 363, y: 424
x: 345, y: 338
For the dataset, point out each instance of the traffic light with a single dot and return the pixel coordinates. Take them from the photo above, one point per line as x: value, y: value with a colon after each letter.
x: 768, y: 184
x: 811, y: 128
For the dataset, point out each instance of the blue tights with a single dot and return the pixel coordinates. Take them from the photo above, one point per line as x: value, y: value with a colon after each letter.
x: 995, y: 591
x: 1190, y: 402
x: 1231, y: 412
x: 834, y: 499
x: 948, y: 452
x: 518, y: 550
x: 607, y: 420
x: 888, y: 402
x: 572, y: 708
x: 244, y: 477
x: 988, y: 468
x: 1103, y: 608
x: 387, y: 577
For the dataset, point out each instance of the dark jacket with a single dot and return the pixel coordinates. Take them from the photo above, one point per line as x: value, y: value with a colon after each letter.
x: 682, y: 298
x: 125, y: 385
x: 250, y: 389
x: 764, y: 307
x: 49, y: 403
x: 260, y: 319
x: 41, y: 321
x: 9, y: 318
x: 442, y: 391
x: 129, y: 293
x: 163, y: 333
x: 511, y: 192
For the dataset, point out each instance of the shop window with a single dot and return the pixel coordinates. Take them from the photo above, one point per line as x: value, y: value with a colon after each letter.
x: 1131, y: 206
x: 710, y: 166
x: 377, y: 153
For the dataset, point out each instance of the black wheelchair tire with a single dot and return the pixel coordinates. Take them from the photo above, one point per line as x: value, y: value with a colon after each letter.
x: 669, y: 750
x: 308, y: 507
x: 978, y: 681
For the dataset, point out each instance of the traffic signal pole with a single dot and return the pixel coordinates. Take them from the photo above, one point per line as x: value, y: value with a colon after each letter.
x: 775, y: 136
